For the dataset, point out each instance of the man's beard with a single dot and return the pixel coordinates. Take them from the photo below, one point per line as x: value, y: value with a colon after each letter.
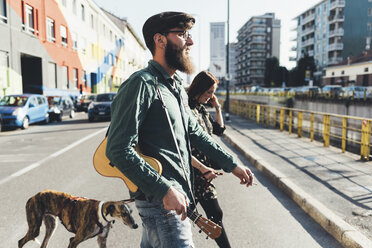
x: 177, y: 60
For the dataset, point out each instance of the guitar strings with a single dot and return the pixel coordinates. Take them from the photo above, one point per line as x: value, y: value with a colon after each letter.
x: 208, y: 226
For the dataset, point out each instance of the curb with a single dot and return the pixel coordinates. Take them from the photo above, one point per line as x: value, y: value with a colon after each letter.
x: 343, y: 232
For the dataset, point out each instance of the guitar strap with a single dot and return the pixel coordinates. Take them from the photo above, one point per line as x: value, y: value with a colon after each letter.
x: 174, y: 137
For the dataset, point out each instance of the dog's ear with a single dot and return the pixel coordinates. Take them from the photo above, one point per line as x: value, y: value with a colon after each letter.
x: 110, y: 209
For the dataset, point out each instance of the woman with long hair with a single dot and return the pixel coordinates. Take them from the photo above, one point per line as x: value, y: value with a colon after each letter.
x: 201, y: 92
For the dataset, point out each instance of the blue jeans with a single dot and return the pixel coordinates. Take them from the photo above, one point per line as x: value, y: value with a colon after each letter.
x: 163, y: 228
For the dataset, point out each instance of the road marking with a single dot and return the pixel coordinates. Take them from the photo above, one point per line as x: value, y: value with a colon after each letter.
x: 38, y: 163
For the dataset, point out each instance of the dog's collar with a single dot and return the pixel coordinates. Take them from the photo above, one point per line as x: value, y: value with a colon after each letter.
x: 100, y: 212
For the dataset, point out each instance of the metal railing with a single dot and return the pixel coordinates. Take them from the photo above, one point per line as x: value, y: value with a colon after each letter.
x: 346, y: 132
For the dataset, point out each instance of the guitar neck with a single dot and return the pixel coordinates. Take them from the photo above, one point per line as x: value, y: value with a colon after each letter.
x: 207, y: 226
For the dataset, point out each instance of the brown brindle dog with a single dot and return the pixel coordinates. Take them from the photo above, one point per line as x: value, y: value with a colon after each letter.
x: 86, y: 218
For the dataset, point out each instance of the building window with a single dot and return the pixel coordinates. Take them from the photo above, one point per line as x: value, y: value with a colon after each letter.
x: 63, y: 33
x: 52, y: 73
x: 110, y: 35
x: 29, y: 24
x: 3, y: 16
x: 83, y: 45
x: 74, y: 41
x: 65, y: 77
x: 333, y: 73
x: 83, y: 13
x: 93, y: 49
x: 75, y: 76
x: 92, y: 21
x: 369, y: 11
x: 85, y: 81
x: 342, y: 72
x: 74, y: 7
x: 51, y: 30
x: 366, y: 69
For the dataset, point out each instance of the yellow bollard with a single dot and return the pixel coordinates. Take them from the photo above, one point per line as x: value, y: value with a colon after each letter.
x: 326, y: 129
x: 344, y: 134
x: 365, y: 140
x: 249, y: 111
x: 290, y: 122
x: 312, y: 127
x: 258, y: 108
x: 299, y: 124
x: 282, y: 120
x: 268, y: 117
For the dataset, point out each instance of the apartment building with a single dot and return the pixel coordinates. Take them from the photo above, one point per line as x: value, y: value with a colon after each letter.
x: 333, y: 30
x: 232, y: 63
x: 60, y: 46
x: 217, y: 65
x: 258, y: 39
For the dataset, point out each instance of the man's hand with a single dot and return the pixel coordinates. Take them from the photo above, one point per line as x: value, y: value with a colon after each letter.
x: 244, y: 174
x: 175, y: 200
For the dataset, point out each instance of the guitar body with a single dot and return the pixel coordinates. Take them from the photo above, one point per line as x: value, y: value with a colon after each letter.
x: 105, y: 168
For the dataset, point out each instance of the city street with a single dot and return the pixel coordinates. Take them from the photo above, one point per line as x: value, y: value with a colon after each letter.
x: 59, y: 156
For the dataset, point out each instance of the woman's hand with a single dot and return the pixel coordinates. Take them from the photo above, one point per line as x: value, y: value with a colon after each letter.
x: 214, y: 101
x: 209, y: 173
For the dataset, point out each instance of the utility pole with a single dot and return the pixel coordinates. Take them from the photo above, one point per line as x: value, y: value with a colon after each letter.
x: 227, y: 77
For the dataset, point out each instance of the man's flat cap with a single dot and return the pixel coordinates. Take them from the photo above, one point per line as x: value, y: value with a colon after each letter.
x: 165, y: 21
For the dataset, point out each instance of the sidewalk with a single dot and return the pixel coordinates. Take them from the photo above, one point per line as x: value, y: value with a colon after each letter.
x: 334, y: 188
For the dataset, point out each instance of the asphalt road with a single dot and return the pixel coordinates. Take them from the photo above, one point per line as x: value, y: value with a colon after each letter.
x: 59, y: 156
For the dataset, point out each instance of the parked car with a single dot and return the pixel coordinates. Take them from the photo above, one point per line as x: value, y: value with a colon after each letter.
x: 311, y: 90
x: 60, y: 106
x: 356, y: 92
x: 1, y: 123
x: 84, y: 102
x: 332, y: 90
x: 100, y: 108
x: 23, y: 110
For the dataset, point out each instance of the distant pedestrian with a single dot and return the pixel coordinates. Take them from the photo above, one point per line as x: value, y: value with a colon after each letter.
x: 201, y: 92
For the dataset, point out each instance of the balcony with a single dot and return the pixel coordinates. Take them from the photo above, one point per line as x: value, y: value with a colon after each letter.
x: 258, y: 40
x: 308, y: 18
x: 335, y: 46
x: 310, y: 53
x: 337, y: 4
x: 307, y: 31
x: 336, y: 18
x: 292, y: 59
x: 308, y: 42
x: 334, y: 60
x: 336, y: 32
x: 257, y: 24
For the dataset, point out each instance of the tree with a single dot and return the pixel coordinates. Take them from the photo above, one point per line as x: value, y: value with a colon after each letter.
x: 271, y: 71
x: 297, y: 74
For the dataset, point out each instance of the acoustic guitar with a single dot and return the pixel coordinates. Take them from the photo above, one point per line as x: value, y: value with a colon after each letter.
x: 104, y: 167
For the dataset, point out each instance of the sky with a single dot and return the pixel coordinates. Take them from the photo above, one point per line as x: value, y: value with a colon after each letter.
x: 206, y: 11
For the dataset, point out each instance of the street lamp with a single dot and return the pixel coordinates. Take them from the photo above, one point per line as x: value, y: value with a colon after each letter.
x: 227, y: 77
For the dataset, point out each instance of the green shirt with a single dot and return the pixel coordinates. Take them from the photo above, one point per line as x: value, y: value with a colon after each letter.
x: 137, y: 117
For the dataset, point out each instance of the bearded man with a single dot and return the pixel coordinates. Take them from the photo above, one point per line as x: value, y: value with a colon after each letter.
x: 138, y: 119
